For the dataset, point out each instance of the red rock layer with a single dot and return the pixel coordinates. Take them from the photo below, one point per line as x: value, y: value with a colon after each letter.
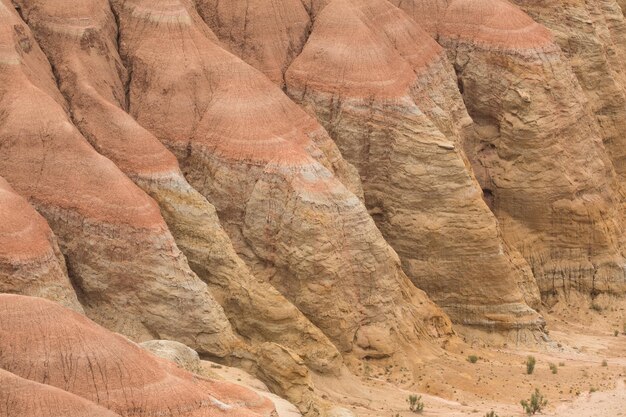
x: 23, y: 398
x: 48, y: 344
x: 80, y: 42
x: 120, y: 255
x: 274, y: 176
x: 266, y: 34
x: 30, y: 260
x: 537, y: 147
x: 396, y: 114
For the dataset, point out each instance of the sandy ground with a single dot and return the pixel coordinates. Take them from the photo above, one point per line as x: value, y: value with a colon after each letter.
x: 580, y: 340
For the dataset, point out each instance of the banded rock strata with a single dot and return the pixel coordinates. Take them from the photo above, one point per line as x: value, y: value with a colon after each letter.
x: 80, y: 42
x: 276, y: 179
x: 47, y: 344
x: 537, y: 148
x: 396, y: 114
x: 130, y: 275
x: 30, y: 260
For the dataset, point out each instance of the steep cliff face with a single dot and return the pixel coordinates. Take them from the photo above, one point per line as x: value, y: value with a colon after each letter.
x: 130, y: 275
x: 48, y: 344
x: 279, y: 184
x: 592, y: 35
x: 396, y: 114
x: 270, y: 182
x: 93, y: 78
x: 536, y: 148
x: 30, y: 260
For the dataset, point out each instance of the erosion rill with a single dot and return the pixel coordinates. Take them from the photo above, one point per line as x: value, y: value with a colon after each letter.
x: 396, y: 114
x: 333, y: 195
x: 275, y: 178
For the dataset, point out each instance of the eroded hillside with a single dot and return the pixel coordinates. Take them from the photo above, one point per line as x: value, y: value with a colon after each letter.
x: 307, y: 190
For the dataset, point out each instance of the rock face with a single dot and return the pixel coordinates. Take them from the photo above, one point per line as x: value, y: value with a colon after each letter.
x: 279, y: 184
x: 48, y: 344
x: 286, y: 186
x: 592, y: 35
x: 397, y: 115
x: 93, y: 78
x: 130, y: 274
x: 267, y: 35
x: 30, y: 260
x: 537, y: 149
x: 398, y: 88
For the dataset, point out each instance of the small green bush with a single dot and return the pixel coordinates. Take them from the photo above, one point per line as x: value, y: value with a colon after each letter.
x: 535, y: 404
x: 530, y: 364
x: 415, y: 403
x: 592, y: 390
x: 472, y: 358
x: 554, y: 368
x: 605, y: 363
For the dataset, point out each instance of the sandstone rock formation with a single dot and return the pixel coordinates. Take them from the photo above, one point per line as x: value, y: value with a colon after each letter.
x: 279, y: 184
x: 48, y: 344
x: 537, y: 148
x: 592, y: 34
x: 267, y: 35
x: 80, y: 42
x: 130, y: 275
x: 397, y: 115
x: 390, y: 68
x: 30, y: 260
x: 183, y: 356
x: 270, y: 182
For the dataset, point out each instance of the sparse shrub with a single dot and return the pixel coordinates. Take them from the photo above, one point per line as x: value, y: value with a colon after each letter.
x: 561, y: 363
x: 491, y: 414
x: 554, y: 368
x: 592, y: 390
x: 616, y: 333
x: 596, y: 307
x: 472, y: 358
x: 535, y: 404
x: 530, y: 364
x: 415, y: 403
x: 605, y: 363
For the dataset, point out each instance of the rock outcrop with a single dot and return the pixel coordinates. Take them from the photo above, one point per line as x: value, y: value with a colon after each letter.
x: 592, y: 35
x: 129, y: 273
x: 396, y: 114
x: 48, y: 344
x: 30, y: 260
x: 183, y: 356
x: 81, y: 43
x: 267, y: 35
x: 279, y: 184
x: 537, y: 148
